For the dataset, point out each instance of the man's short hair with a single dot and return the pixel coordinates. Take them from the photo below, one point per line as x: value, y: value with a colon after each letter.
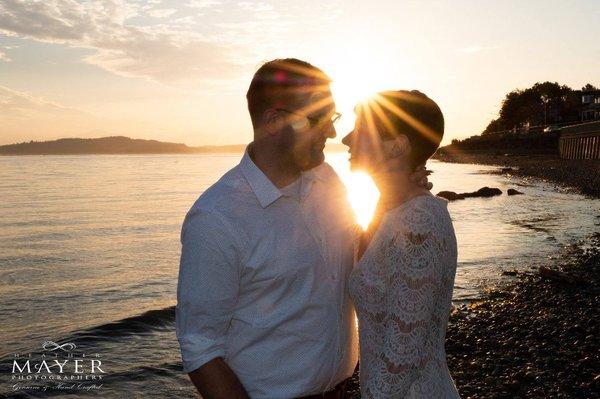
x: 279, y: 83
x: 412, y: 114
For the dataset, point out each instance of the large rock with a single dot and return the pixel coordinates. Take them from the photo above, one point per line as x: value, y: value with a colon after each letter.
x: 512, y: 191
x: 450, y: 195
x: 483, y: 192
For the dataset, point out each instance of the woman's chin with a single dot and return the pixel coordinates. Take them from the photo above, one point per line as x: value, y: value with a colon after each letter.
x: 355, y: 166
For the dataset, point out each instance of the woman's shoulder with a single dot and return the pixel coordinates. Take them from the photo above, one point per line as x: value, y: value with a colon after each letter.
x: 420, y: 207
x: 422, y: 214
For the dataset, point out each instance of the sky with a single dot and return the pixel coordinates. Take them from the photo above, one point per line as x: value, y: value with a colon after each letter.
x: 178, y: 71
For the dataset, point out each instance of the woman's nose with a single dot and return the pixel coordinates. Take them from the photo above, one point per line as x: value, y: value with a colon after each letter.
x: 347, y: 140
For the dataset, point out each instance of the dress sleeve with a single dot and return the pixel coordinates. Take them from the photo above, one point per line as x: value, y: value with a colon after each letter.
x: 207, y: 288
x: 412, y: 258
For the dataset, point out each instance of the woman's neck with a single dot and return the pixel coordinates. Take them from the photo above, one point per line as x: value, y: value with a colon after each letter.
x: 395, y: 188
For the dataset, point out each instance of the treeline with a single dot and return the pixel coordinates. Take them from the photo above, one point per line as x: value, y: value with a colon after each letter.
x: 514, y: 143
x: 519, y: 128
x: 546, y: 103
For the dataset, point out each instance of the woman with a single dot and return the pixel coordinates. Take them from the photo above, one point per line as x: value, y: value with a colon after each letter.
x: 402, y: 284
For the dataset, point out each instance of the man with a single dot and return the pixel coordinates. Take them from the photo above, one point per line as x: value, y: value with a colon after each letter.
x: 263, y: 308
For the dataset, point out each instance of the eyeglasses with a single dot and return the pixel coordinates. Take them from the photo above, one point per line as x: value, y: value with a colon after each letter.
x: 315, y: 122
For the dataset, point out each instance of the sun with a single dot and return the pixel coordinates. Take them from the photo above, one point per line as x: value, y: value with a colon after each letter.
x: 358, y: 76
x: 350, y: 87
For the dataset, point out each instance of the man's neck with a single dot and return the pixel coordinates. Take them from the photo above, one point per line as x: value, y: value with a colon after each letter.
x: 280, y: 171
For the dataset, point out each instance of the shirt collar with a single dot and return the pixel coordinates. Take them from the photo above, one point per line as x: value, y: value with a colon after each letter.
x: 263, y: 188
x: 266, y: 192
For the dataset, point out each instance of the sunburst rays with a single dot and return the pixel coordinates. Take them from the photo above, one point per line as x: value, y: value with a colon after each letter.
x: 423, y: 129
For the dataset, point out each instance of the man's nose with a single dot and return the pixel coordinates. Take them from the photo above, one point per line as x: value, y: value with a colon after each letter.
x: 330, y: 133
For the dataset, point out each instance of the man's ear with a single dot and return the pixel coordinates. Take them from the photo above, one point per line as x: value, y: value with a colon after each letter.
x: 272, y: 121
x: 398, y: 147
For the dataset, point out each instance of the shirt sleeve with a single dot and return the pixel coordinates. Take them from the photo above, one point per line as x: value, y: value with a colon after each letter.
x: 414, y: 279
x: 207, y: 288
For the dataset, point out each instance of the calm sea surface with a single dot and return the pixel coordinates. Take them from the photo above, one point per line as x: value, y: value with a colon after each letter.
x: 89, y: 251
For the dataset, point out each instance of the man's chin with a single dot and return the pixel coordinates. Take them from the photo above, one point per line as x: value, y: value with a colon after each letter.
x: 310, y: 159
x: 316, y: 160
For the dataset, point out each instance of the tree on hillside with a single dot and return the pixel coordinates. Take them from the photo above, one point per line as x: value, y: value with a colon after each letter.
x: 543, y: 103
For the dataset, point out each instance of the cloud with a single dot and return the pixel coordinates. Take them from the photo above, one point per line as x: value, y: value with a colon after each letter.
x: 182, y: 50
x: 162, y: 12
x: 4, y: 57
x: 24, y: 115
x: 162, y: 53
x: 260, y: 9
x: 17, y: 103
x: 199, y: 4
x: 476, y: 49
x: 255, y: 6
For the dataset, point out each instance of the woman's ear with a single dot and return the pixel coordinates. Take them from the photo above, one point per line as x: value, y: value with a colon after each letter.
x: 396, y: 148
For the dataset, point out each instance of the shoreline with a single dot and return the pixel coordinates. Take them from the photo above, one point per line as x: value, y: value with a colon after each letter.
x: 583, y: 175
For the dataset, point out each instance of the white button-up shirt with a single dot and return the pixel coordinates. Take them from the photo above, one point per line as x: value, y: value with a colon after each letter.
x: 263, y: 282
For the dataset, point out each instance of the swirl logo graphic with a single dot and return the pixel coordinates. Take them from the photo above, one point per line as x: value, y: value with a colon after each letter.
x: 52, y: 346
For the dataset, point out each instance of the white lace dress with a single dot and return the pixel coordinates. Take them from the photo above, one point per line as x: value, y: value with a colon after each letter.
x: 402, y: 291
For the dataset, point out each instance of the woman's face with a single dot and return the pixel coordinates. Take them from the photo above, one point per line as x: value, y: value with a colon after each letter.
x: 365, y: 147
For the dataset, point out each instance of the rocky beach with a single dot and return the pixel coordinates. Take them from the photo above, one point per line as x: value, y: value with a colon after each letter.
x: 536, y: 337
x: 582, y: 175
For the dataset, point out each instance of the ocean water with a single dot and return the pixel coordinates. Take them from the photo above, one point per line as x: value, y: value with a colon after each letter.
x: 89, y: 250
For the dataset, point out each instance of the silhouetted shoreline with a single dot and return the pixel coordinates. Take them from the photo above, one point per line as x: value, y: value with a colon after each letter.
x: 580, y: 174
x: 111, y: 145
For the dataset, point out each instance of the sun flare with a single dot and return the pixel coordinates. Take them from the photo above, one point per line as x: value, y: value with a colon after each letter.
x: 362, y: 192
x: 359, y: 71
x: 363, y: 196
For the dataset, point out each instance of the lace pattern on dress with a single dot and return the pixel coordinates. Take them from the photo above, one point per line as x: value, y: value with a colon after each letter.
x: 402, y: 290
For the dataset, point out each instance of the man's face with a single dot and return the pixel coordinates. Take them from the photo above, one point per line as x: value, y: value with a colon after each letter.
x: 311, y: 125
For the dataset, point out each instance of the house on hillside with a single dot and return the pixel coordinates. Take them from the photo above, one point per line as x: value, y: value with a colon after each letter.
x: 590, y: 106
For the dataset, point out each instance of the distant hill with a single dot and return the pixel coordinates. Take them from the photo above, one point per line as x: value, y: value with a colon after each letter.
x: 110, y: 145
x: 121, y: 145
